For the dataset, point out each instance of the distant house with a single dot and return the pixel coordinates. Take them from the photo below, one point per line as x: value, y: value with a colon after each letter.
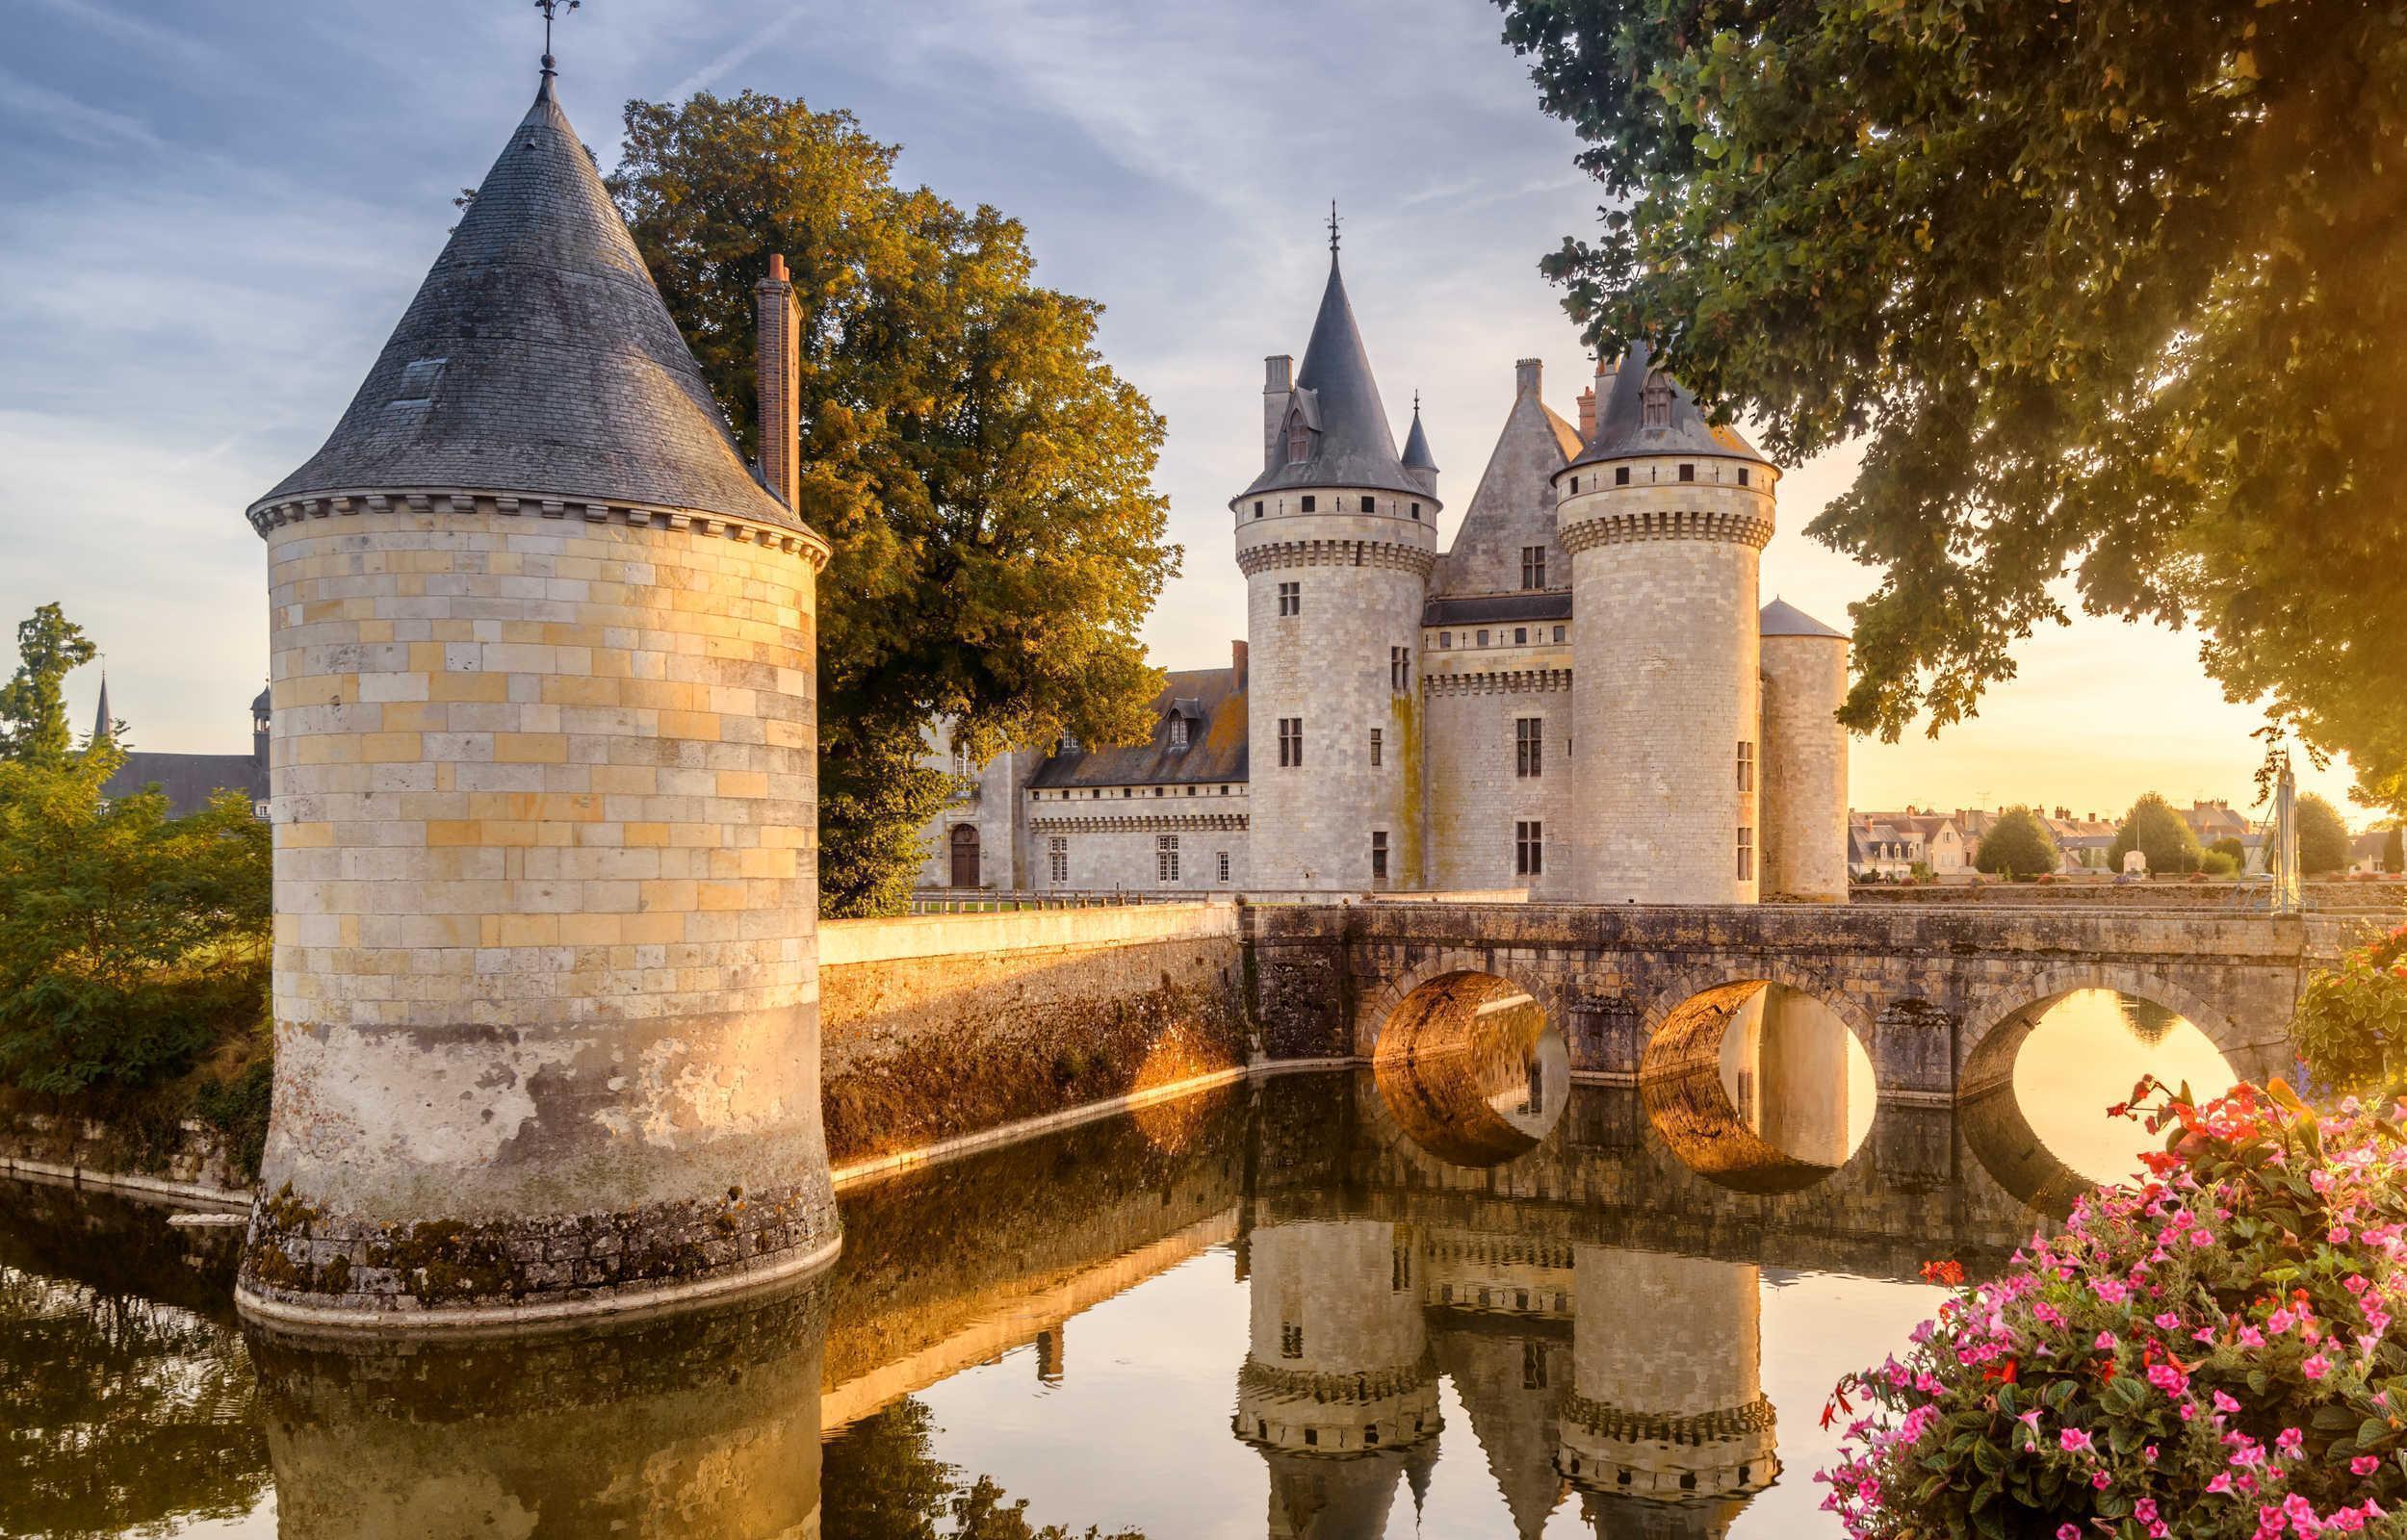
x: 2364, y: 851
x: 1880, y: 850
x: 1937, y: 837
x: 190, y: 780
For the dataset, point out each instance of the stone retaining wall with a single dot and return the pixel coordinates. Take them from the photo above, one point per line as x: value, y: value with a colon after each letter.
x: 942, y: 1025
x: 44, y: 1136
x: 2170, y: 892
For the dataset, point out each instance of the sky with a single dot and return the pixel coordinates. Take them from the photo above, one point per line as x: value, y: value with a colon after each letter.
x: 213, y: 212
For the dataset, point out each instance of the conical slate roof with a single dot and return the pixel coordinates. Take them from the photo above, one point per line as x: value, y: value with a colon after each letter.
x: 104, y: 722
x: 1416, y: 455
x: 539, y: 360
x: 1781, y: 618
x: 1353, y: 444
x: 1621, y: 428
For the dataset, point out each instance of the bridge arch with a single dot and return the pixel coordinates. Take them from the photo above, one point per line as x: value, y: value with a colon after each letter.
x: 1684, y: 989
x: 1421, y: 987
x: 1997, y: 1029
x: 1780, y: 1129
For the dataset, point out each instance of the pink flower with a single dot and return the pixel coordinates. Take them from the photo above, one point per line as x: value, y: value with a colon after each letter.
x: 2222, y: 1482
x: 2290, y: 1441
x: 2365, y: 1465
x: 2225, y: 1404
x: 2067, y: 1531
x: 2316, y: 1366
x: 2074, y: 1440
x: 2105, y: 1342
x: 2100, y: 1480
x: 2167, y: 1320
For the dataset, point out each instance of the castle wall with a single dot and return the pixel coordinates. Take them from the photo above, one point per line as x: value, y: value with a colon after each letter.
x: 1804, y: 769
x: 1666, y: 684
x: 546, y: 907
x: 1119, y: 848
x: 1476, y: 792
x: 1359, y: 580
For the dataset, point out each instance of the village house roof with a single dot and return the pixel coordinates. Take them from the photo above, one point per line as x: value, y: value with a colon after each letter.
x: 189, y: 781
x: 1214, y: 709
x: 539, y: 360
x: 1622, y: 429
x: 1353, y: 444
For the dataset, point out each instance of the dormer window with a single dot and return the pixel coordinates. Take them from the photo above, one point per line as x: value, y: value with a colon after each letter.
x: 1656, y: 407
x: 1299, y: 439
x: 1178, y: 733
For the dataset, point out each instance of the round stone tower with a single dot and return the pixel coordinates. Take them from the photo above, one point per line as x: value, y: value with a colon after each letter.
x: 1665, y: 516
x: 1336, y: 538
x: 544, y: 786
x: 1805, y: 754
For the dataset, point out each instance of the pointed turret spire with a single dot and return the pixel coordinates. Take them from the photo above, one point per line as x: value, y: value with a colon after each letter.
x: 1337, y: 397
x: 104, y: 722
x: 539, y: 361
x: 1416, y: 455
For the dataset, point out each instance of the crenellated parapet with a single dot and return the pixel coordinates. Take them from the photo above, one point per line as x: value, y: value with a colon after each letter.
x: 1399, y: 555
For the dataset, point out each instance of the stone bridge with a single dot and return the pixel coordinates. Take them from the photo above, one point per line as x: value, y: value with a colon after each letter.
x: 1940, y: 997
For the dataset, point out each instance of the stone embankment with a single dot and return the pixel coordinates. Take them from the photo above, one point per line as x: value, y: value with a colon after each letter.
x: 2172, y: 892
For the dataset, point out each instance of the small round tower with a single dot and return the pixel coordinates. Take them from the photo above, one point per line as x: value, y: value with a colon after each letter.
x: 544, y: 779
x: 1336, y: 538
x: 1666, y: 517
x: 1804, y: 791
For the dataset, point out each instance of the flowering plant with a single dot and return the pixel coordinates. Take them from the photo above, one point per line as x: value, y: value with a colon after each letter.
x: 2350, y: 1026
x: 2207, y: 1354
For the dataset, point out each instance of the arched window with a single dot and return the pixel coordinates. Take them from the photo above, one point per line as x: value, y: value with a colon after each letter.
x: 1299, y: 439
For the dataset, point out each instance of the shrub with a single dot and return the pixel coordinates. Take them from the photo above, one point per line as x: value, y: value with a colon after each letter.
x: 2220, y: 862
x: 2157, y: 831
x: 2230, y: 845
x: 2017, y: 844
x: 2210, y: 1350
x: 2350, y: 1024
x: 131, y: 943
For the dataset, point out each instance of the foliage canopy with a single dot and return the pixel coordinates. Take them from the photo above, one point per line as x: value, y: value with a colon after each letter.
x: 2019, y: 844
x: 2323, y: 839
x: 2111, y: 292
x: 984, y: 476
x: 2157, y: 831
x: 32, y: 704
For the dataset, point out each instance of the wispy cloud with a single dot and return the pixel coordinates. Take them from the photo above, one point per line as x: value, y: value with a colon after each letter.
x: 176, y: 47
x: 719, y: 67
x: 39, y: 108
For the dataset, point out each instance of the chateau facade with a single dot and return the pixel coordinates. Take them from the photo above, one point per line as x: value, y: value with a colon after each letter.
x: 1583, y: 695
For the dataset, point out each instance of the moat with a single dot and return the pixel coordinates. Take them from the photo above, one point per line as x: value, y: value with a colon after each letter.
x: 1482, y: 1300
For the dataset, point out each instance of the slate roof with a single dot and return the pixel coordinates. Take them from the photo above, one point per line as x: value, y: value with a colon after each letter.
x: 1216, y: 742
x: 189, y: 780
x: 1488, y: 608
x: 1416, y: 455
x: 1622, y: 417
x: 538, y: 359
x: 1781, y: 618
x: 1353, y: 444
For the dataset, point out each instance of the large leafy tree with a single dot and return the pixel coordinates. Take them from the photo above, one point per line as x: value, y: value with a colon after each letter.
x: 32, y: 704
x: 2323, y: 839
x: 2158, y: 832
x: 2112, y: 290
x: 984, y: 476
x: 2018, y: 844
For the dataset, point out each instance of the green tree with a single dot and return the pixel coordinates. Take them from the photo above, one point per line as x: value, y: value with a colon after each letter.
x: 2157, y: 831
x: 2324, y: 841
x: 2019, y: 844
x: 985, y: 477
x: 2394, y: 855
x: 2110, y: 290
x: 131, y: 943
x: 2231, y: 845
x: 32, y: 704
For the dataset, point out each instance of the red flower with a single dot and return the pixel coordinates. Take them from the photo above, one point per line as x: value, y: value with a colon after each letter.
x: 1950, y: 1273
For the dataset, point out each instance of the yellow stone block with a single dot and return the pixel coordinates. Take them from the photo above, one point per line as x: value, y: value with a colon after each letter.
x: 645, y: 834
x: 530, y: 748
x: 388, y: 747
x: 743, y: 783
x: 482, y: 688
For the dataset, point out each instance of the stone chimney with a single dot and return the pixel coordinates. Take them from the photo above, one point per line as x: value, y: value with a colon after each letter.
x: 1588, y: 414
x: 778, y: 359
x: 1526, y: 375
x: 1237, y: 663
x: 1277, y: 385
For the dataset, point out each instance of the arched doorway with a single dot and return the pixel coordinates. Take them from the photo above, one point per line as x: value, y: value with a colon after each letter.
x: 1757, y: 1085
x: 964, y: 873
x: 1471, y: 1069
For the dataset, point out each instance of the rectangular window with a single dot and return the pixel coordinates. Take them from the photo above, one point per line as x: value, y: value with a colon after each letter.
x: 1399, y: 668
x: 1308, y: 502
x: 1290, y: 1340
x: 1533, y: 565
x: 1746, y: 767
x: 1622, y: 476
x: 1416, y: 510
x: 1742, y: 476
x: 1258, y: 507
x: 1291, y: 599
x: 1746, y: 855
x: 1483, y: 638
x: 1688, y: 473
x: 1290, y: 742
x: 1376, y: 735
x: 1178, y: 733
x: 1371, y: 505
x: 1520, y: 635
x: 1445, y: 639
x: 1166, y: 858
x: 1575, y: 483
x: 1378, y: 855
x: 1057, y: 858
x: 1559, y: 633
x: 1221, y: 860
x: 1529, y: 746
x: 1529, y: 849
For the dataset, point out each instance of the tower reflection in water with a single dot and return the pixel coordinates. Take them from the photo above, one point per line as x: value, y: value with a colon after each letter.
x: 1758, y: 1087
x: 703, y: 1425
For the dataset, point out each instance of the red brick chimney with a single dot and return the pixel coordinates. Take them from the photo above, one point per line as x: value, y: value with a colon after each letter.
x: 777, y: 360
x: 1588, y: 414
x: 1237, y: 663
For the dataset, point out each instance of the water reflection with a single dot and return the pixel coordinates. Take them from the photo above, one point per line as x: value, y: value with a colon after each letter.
x: 1297, y: 1310
x: 1759, y: 1087
x: 1472, y: 1069
x: 2081, y: 1053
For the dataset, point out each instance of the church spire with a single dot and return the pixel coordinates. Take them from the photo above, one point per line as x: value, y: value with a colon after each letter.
x: 104, y: 722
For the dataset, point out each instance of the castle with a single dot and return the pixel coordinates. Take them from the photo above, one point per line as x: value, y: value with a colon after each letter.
x: 1583, y: 695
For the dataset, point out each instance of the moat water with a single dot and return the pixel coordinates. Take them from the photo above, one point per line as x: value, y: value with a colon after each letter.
x: 1490, y: 1303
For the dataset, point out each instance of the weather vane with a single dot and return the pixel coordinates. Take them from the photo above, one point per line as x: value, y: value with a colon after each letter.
x: 1333, y: 227
x: 551, y: 9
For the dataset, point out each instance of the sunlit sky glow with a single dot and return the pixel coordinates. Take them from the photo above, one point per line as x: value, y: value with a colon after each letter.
x: 216, y: 211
